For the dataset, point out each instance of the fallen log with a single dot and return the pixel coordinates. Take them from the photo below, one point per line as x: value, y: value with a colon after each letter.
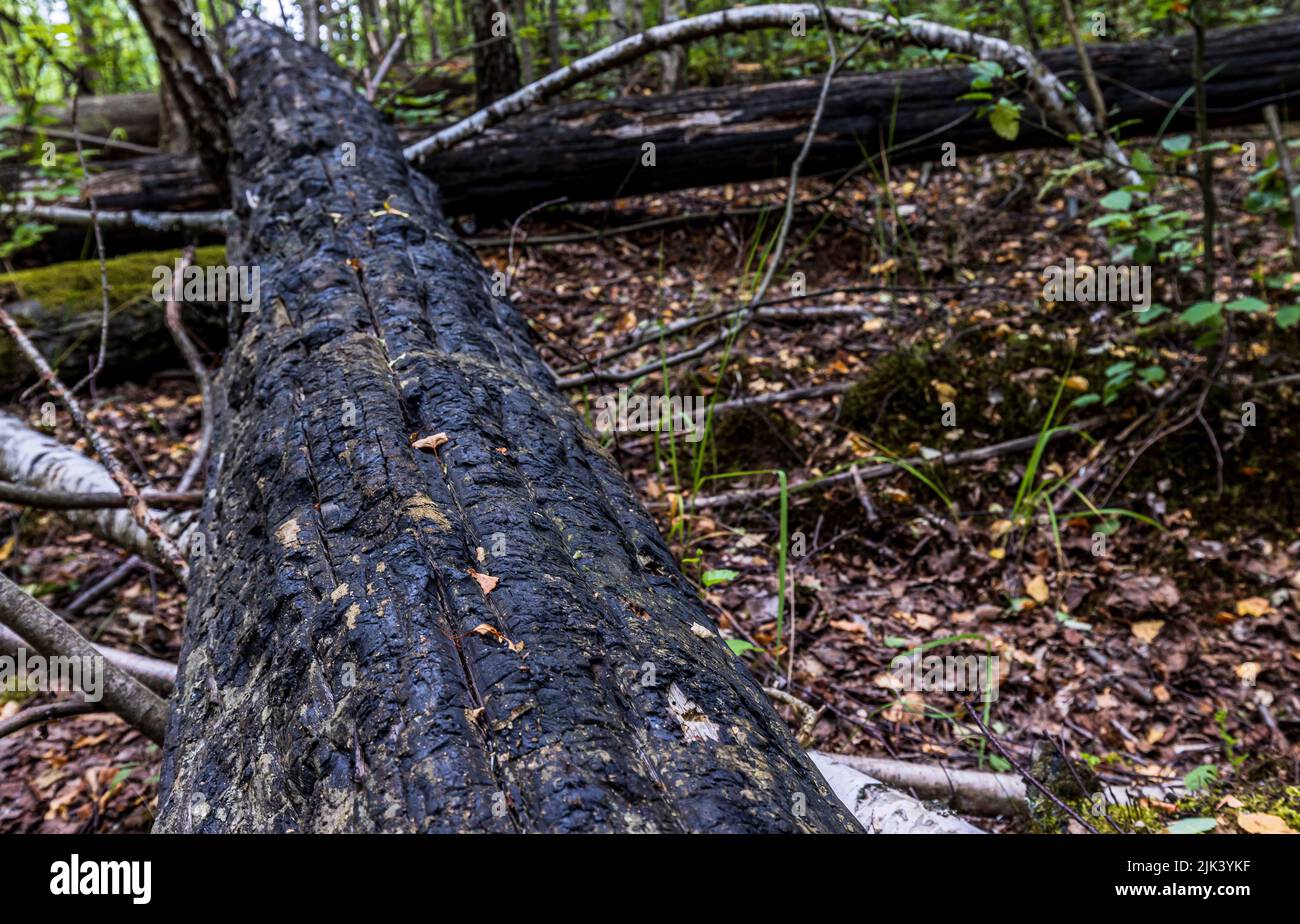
x: 590, y: 151
x: 59, y: 308
x: 30, y: 458
x: 481, y: 632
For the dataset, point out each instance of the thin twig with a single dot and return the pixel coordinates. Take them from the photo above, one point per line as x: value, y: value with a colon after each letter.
x: 192, y: 359
x: 973, y: 711
x: 99, y: 250
x: 50, y: 711
x: 48, y: 499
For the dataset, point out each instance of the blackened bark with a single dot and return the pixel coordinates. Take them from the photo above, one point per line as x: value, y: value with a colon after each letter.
x: 592, y: 150
x: 192, y: 79
x: 343, y: 667
x: 496, y: 66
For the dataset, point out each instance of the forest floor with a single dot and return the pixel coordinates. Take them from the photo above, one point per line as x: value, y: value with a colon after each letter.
x: 1148, y: 653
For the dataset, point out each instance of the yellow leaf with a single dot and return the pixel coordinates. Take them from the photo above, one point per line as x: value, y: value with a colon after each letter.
x: 1037, y: 589
x: 1076, y: 383
x: 1252, y: 606
x: 7, y: 548
x: 1147, y: 629
x: 1262, y: 823
x: 945, y: 391
x: 997, y: 554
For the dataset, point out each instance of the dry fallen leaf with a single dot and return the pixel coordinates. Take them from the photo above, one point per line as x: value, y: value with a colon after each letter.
x: 945, y: 391
x: 1263, y: 823
x: 1147, y: 629
x: 1248, y: 672
x: 485, y: 581
x: 1076, y: 383
x: 701, y: 631
x: 430, y: 443
x: 848, y: 625
x: 493, y: 632
x: 1252, y: 606
x: 1037, y: 589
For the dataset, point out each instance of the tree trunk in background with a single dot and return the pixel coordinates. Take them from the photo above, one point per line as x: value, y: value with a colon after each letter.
x: 427, y: 17
x: 496, y: 66
x: 173, y: 132
x: 554, y: 53
x: 348, y: 663
x: 672, y: 76
x: 193, y: 81
x: 519, y: 21
x: 311, y: 22
x: 87, y: 75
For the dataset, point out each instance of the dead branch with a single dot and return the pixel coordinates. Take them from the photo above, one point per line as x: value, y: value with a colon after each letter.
x: 35, y: 714
x: 33, y: 460
x: 51, y: 636
x: 156, y: 674
x: 883, y: 469
x: 193, y: 360
x: 167, y: 550
x: 211, y: 222
x: 372, y: 85
x: 1053, y: 96
x: 46, y: 499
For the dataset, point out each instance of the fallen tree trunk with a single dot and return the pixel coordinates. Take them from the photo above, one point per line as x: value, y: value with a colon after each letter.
x: 593, y: 150
x: 483, y: 634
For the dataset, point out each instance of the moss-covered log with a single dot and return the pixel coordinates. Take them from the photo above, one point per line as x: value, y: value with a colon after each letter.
x: 483, y: 634
x: 61, y: 309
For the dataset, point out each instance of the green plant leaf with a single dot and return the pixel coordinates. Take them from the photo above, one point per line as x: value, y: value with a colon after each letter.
x: 720, y: 576
x: 1201, y: 777
x: 1117, y: 201
x: 1005, y: 119
x: 739, y: 646
x: 1201, y: 311
x: 1192, y: 826
x: 1286, y: 317
x: 1248, y: 304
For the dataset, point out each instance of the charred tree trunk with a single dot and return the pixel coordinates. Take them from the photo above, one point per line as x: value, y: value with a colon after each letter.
x: 592, y: 150
x: 348, y: 662
x: 192, y: 79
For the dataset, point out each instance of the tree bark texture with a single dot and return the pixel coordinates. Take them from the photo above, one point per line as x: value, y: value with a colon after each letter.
x: 592, y: 150
x: 488, y: 634
x: 496, y: 66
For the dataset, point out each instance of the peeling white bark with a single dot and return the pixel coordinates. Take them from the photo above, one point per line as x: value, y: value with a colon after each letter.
x: 882, y: 810
x: 31, y: 458
x: 1056, y: 100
